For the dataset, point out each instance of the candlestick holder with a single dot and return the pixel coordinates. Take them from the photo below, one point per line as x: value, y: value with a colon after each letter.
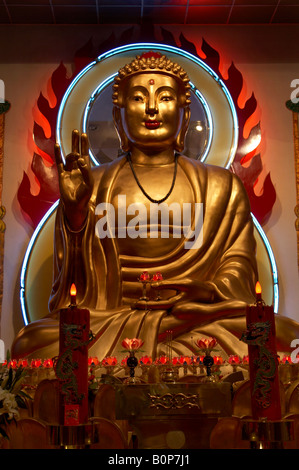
x: 169, y: 373
x: 72, y: 437
x: 145, y: 363
x: 266, y: 434
x: 157, y: 278
x: 144, y: 278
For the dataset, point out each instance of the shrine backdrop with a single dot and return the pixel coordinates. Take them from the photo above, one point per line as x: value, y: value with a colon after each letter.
x: 263, y: 62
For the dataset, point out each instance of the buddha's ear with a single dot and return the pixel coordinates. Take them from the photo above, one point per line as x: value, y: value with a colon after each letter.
x: 180, y: 140
x: 124, y: 142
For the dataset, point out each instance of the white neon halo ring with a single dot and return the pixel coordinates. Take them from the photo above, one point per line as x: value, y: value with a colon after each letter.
x: 70, y: 103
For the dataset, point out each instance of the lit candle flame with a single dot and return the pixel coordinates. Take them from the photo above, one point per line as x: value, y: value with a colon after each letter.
x: 258, y: 288
x: 258, y: 293
x: 73, y: 290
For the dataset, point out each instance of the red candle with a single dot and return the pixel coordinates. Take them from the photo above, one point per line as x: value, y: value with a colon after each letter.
x: 71, y: 366
x: 263, y: 361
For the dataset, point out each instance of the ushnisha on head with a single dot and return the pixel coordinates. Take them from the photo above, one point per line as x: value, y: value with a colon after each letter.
x: 151, y: 62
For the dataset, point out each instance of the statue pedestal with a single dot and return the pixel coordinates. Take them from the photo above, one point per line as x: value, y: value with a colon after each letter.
x: 173, y: 416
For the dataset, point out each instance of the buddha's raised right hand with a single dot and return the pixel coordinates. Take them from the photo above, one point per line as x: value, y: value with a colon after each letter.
x: 75, y: 180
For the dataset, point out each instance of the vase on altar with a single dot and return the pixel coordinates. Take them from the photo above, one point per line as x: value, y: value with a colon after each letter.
x: 206, y: 346
x: 132, y: 363
x: 132, y: 346
x: 144, y: 278
x: 208, y: 362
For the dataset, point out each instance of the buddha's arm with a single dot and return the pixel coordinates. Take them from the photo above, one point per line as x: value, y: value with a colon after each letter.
x: 75, y: 181
x: 78, y: 257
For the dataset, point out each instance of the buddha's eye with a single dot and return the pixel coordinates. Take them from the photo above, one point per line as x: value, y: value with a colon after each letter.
x: 166, y: 98
x: 138, y: 98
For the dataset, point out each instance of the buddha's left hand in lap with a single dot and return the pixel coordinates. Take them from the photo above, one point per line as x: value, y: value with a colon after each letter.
x: 187, y: 290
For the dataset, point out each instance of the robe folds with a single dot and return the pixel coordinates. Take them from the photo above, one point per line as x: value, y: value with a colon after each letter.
x: 107, y: 280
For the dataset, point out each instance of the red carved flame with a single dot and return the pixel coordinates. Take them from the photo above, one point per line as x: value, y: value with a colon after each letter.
x: 247, y: 163
x: 43, y: 165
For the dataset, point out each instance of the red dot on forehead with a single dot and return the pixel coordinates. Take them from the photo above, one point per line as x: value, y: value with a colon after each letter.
x: 151, y: 81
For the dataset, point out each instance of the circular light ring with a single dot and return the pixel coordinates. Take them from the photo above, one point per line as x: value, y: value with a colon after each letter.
x: 205, y: 105
x: 213, y: 92
x: 272, y: 263
x: 72, y: 105
x: 26, y: 261
x: 88, y: 107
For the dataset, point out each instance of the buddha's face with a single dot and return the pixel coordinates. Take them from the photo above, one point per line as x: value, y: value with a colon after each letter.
x: 152, y: 111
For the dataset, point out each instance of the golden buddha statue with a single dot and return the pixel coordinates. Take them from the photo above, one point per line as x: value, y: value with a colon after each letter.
x: 110, y: 227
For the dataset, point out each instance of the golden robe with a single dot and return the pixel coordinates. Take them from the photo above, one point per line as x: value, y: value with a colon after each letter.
x: 106, y: 276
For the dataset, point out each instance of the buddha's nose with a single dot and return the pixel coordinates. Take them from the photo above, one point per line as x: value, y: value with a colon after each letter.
x: 151, y: 105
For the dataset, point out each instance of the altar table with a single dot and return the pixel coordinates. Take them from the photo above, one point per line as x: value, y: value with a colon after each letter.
x: 173, y: 415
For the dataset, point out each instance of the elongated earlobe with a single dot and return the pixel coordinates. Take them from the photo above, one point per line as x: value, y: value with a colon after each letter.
x: 124, y: 142
x: 180, y: 140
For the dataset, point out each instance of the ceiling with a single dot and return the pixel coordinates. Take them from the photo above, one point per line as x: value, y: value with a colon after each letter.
x: 149, y: 11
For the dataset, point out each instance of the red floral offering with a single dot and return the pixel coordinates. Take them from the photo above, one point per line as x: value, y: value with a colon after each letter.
x: 157, y: 277
x: 218, y: 360
x: 145, y: 361
x: 93, y: 361
x: 132, y: 344
x: 48, y: 363
x: 109, y: 361
x: 206, y: 344
x: 144, y: 277
x: 234, y: 359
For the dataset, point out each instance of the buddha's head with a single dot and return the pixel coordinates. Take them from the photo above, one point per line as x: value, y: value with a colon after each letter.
x: 151, y: 103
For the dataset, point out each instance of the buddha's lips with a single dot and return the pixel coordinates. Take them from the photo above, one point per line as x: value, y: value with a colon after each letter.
x: 152, y: 124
